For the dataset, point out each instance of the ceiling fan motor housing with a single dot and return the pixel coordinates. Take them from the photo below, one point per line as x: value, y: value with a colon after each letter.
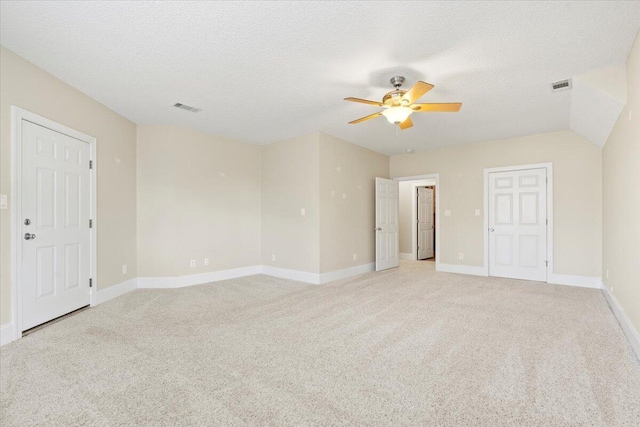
x: 394, y: 97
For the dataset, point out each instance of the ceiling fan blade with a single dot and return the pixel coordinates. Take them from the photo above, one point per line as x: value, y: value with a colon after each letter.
x: 364, y: 101
x: 364, y: 119
x: 406, y: 124
x: 416, y: 91
x: 451, y: 107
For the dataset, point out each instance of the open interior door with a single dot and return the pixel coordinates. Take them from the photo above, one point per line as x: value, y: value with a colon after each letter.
x: 386, y: 223
x: 425, y: 223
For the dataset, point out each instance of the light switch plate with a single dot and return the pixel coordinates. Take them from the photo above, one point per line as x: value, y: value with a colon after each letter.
x: 206, y: 261
x: 447, y: 212
x: 477, y: 212
x: 3, y: 201
x: 303, y: 211
x: 124, y: 269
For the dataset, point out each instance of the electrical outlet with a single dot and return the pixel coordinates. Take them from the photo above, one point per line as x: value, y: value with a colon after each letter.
x: 447, y: 212
x: 273, y: 257
x: 303, y: 211
x: 477, y: 212
x: 192, y: 263
x: 3, y: 201
x: 206, y: 261
x: 355, y: 257
x: 460, y: 255
x: 124, y: 269
x: 344, y: 195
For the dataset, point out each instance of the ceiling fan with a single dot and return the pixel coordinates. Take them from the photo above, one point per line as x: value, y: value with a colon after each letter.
x: 400, y: 104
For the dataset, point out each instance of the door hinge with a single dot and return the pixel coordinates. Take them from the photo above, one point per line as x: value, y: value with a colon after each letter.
x: 90, y: 164
x: 546, y: 263
x: 90, y: 223
x: 547, y: 222
x: 91, y: 283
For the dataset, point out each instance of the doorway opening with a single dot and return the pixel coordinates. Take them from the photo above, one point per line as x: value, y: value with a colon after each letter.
x: 418, y: 219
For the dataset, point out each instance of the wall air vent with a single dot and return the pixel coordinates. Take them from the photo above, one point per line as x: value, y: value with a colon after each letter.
x: 561, y: 85
x: 187, y: 107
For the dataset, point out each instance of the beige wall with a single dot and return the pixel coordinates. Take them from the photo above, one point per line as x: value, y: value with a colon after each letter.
x: 347, y: 201
x: 577, y: 170
x: 406, y: 206
x: 28, y: 87
x: 621, y: 196
x: 198, y: 197
x: 290, y: 182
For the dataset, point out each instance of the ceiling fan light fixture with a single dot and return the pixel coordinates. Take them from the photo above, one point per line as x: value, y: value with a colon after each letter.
x: 397, y: 115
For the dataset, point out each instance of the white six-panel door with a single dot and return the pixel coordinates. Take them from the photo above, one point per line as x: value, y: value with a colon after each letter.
x: 425, y: 223
x: 518, y: 224
x: 386, y: 229
x: 54, y: 225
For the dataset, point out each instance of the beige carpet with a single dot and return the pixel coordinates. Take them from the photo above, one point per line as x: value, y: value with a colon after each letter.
x: 402, y: 347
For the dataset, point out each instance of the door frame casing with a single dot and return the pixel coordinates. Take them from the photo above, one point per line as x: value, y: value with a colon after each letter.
x: 549, y: 168
x: 17, y: 116
x: 414, y: 228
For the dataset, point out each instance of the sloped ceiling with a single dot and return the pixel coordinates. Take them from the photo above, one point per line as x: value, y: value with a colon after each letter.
x: 267, y: 71
x: 597, y: 99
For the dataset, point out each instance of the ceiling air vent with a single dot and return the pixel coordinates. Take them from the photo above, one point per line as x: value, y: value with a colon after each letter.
x: 187, y: 107
x: 561, y: 85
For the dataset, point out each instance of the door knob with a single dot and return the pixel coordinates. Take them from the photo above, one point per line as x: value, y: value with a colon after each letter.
x: 491, y: 230
x: 28, y: 236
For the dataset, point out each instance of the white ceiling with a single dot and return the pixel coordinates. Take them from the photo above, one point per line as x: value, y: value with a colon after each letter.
x: 267, y: 71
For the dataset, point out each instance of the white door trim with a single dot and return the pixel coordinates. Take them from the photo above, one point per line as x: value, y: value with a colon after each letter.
x: 17, y: 116
x: 486, y: 172
x: 414, y: 228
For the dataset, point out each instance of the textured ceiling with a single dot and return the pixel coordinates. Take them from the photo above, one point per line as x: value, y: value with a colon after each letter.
x: 267, y: 71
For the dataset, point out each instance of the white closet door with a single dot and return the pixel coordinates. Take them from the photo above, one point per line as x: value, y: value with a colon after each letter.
x: 386, y: 230
x: 518, y: 224
x: 54, y: 225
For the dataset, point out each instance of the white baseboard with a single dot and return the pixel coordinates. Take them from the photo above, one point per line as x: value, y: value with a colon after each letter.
x: 461, y: 269
x: 115, y: 291
x: 216, y: 276
x: 571, y: 280
x: 554, y: 278
x: 196, y: 279
x: 346, y: 272
x: 406, y: 256
x: 284, y: 273
x: 7, y: 333
x: 627, y: 327
x: 157, y: 282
